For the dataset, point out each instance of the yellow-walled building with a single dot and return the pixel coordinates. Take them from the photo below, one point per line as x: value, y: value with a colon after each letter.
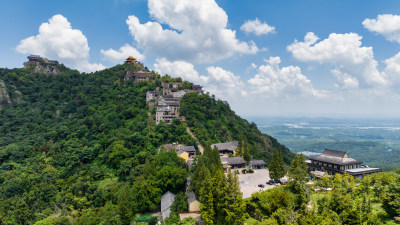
x: 184, y: 155
x: 194, y: 205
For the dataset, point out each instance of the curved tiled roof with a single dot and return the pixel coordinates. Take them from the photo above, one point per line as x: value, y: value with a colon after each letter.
x: 187, y: 148
x: 336, y: 157
x: 166, y: 202
x: 191, y: 197
x: 226, y: 146
x: 256, y: 162
x: 364, y: 170
x: 233, y: 160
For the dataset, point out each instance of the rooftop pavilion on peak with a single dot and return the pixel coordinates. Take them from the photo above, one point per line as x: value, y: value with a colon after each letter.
x: 131, y: 59
x: 38, y: 58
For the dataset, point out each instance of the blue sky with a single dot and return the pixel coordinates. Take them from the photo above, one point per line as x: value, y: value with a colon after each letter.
x: 252, y: 53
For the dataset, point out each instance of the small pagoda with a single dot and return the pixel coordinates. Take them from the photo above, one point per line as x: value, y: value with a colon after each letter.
x: 131, y: 59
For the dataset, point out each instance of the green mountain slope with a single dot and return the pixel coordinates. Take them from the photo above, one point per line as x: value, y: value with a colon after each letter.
x: 72, y: 144
x: 213, y: 120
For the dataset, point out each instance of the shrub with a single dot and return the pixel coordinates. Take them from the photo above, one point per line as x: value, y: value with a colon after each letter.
x: 153, y: 220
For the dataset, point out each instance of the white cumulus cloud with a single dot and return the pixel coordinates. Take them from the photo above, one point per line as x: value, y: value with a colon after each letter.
x: 120, y: 55
x: 286, y: 82
x: 392, y: 69
x: 224, y: 83
x: 256, y: 27
x: 387, y: 25
x: 195, y: 31
x: 218, y: 81
x: 57, y: 40
x: 346, y: 80
x: 270, y: 81
x: 178, y: 68
x: 345, y: 53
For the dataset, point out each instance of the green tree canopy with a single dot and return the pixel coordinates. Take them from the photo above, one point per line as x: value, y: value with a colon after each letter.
x: 276, y: 166
x: 298, y: 168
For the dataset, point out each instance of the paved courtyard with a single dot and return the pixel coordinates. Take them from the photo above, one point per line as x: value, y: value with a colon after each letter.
x: 249, y: 182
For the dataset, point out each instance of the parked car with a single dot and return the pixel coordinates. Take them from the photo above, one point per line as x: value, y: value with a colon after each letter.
x: 271, y: 182
x: 261, y: 185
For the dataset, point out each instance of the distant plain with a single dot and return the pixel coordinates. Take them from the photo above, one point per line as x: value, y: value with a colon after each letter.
x: 375, y: 142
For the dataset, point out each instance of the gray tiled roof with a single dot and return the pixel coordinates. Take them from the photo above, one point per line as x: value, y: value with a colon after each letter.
x: 334, y: 153
x: 187, y: 148
x: 180, y: 152
x: 163, y: 109
x: 364, y: 170
x: 256, y: 162
x: 233, y: 160
x: 169, y: 147
x: 34, y: 57
x: 166, y: 202
x: 336, y: 157
x: 226, y: 146
x: 192, y: 197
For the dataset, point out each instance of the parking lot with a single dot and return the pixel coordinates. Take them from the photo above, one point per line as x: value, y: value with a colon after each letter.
x: 249, y: 182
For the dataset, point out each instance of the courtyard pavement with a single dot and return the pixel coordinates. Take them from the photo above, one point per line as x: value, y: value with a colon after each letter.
x: 249, y: 182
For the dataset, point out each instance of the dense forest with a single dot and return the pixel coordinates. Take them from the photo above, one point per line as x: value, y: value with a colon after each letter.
x: 79, y: 148
x: 213, y: 120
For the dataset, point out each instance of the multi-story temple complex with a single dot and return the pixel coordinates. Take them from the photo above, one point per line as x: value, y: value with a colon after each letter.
x: 333, y: 161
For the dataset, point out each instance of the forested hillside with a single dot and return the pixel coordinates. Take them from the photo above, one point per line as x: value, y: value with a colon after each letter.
x: 213, y: 120
x: 79, y: 148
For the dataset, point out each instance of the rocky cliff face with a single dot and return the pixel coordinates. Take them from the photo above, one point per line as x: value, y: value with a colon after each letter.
x: 4, y: 96
x: 43, y: 68
x: 47, y: 69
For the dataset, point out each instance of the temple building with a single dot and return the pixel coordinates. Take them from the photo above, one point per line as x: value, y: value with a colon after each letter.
x: 197, y: 87
x: 141, y: 76
x: 130, y: 59
x: 333, y: 161
x: 189, y: 149
x: 257, y: 164
x: 193, y: 203
x: 226, y: 148
x: 167, y: 114
x: 167, y: 109
x: 35, y: 59
x: 150, y: 95
x: 233, y: 163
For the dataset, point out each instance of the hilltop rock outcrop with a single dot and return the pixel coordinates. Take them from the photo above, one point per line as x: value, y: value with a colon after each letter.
x: 4, y: 96
x: 45, y: 68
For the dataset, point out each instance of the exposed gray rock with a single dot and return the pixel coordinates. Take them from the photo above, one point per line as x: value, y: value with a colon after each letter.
x: 4, y: 96
x: 42, y: 68
x: 17, y: 97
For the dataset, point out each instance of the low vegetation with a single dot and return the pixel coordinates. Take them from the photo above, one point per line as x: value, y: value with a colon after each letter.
x: 333, y: 200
